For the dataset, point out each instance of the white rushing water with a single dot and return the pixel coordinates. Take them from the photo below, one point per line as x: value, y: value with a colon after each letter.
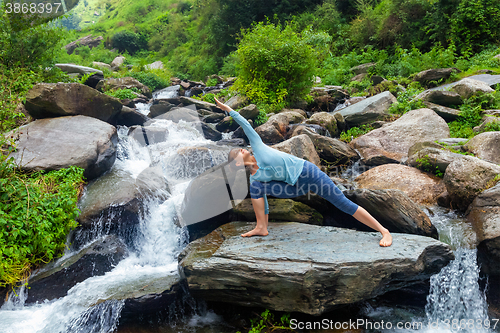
x: 94, y: 305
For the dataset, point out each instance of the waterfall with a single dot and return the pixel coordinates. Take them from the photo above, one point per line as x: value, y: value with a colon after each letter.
x: 455, y: 301
x: 95, y: 304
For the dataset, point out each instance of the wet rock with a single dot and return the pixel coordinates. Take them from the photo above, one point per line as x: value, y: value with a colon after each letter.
x: 441, y: 97
x: 200, y: 104
x: 280, y: 210
x: 326, y: 120
x: 300, y: 146
x: 417, y: 185
x: 47, y: 100
x: 484, y: 214
x: 113, y: 84
x: 368, y: 110
x: 237, y: 142
x: 213, y: 118
x: 485, y: 146
x: 227, y: 125
x: 55, y: 279
x: 208, y: 132
x: 467, y: 177
x: 317, y: 276
x: 469, y: 87
x: 159, y: 107
x: 118, y: 195
x: 148, y: 135
x: 438, y: 74
x: 84, y: 41
x: 448, y: 114
x: 390, y: 143
x: 56, y: 143
x: 130, y: 117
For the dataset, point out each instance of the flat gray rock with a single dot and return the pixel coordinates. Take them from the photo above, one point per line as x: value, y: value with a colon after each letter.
x: 369, y: 109
x: 305, y: 268
x: 491, y: 80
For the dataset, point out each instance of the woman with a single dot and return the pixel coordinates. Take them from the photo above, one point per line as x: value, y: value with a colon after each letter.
x: 286, y: 176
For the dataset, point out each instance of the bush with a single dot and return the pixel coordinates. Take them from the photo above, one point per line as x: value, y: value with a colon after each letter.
x: 36, y: 213
x: 276, y: 66
x: 129, y: 41
x: 151, y: 79
x: 122, y: 93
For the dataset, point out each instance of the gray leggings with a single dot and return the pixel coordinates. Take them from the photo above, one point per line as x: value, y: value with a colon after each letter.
x: 311, y: 179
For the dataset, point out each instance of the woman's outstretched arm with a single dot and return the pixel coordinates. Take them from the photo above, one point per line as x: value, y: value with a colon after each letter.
x: 252, y: 136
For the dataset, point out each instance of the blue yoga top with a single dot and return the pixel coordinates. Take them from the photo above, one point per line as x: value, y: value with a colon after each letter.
x: 273, y: 164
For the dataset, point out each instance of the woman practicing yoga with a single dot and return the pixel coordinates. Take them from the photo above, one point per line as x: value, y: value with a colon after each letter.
x: 286, y: 176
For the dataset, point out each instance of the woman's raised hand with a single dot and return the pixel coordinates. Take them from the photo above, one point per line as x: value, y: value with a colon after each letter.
x: 222, y: 106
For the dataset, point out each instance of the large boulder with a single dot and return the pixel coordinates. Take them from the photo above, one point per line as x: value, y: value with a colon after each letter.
x: 300, y: 146
x: 334, y: 151
x: 130, y: 117
x: 390, y: 143
x: 325, y: 119
x: 331, y: 266
x: 469, y: 87
x: 117, y: 62
x: 46, y: 100
x: 249, y: 112
x: 95, y: 77
x: 84, y: 41
x: 487, y: 123
x: 236, y: 102
x: 466, y: 177
x: 484, y: 214
x: 113, y: 84
x: 148, y: 135
x: 54, y: 280
x: 119, y: 195
x: 369, y: 109
x: 486, y: 146
x: 432, y: 158
x: 275, y: 128
x: 56, y: 143
x: 280, y: 210
x: 417, y: 185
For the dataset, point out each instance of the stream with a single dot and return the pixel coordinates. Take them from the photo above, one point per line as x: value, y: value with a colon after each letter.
x: 94, y: 305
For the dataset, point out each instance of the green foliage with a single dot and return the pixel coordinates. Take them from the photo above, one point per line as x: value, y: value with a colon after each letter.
x: 155, y: 79
x: 266, y: 322
x: 27, y: 48
x: 276, y: 65
x: 211, y: 82
x: 406, y: 101
x: 36, y: 213
x: 426, y: 165
x: 128, y: 41
x: 353, y: 132
x: 122, y: 93
x: 261, y: 118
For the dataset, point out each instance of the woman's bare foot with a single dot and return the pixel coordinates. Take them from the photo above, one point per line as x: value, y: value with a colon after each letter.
x: 256, y: 232
x: 386, y: 239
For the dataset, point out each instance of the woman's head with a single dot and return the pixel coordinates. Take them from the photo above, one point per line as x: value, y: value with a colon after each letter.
x: 238, y: 153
